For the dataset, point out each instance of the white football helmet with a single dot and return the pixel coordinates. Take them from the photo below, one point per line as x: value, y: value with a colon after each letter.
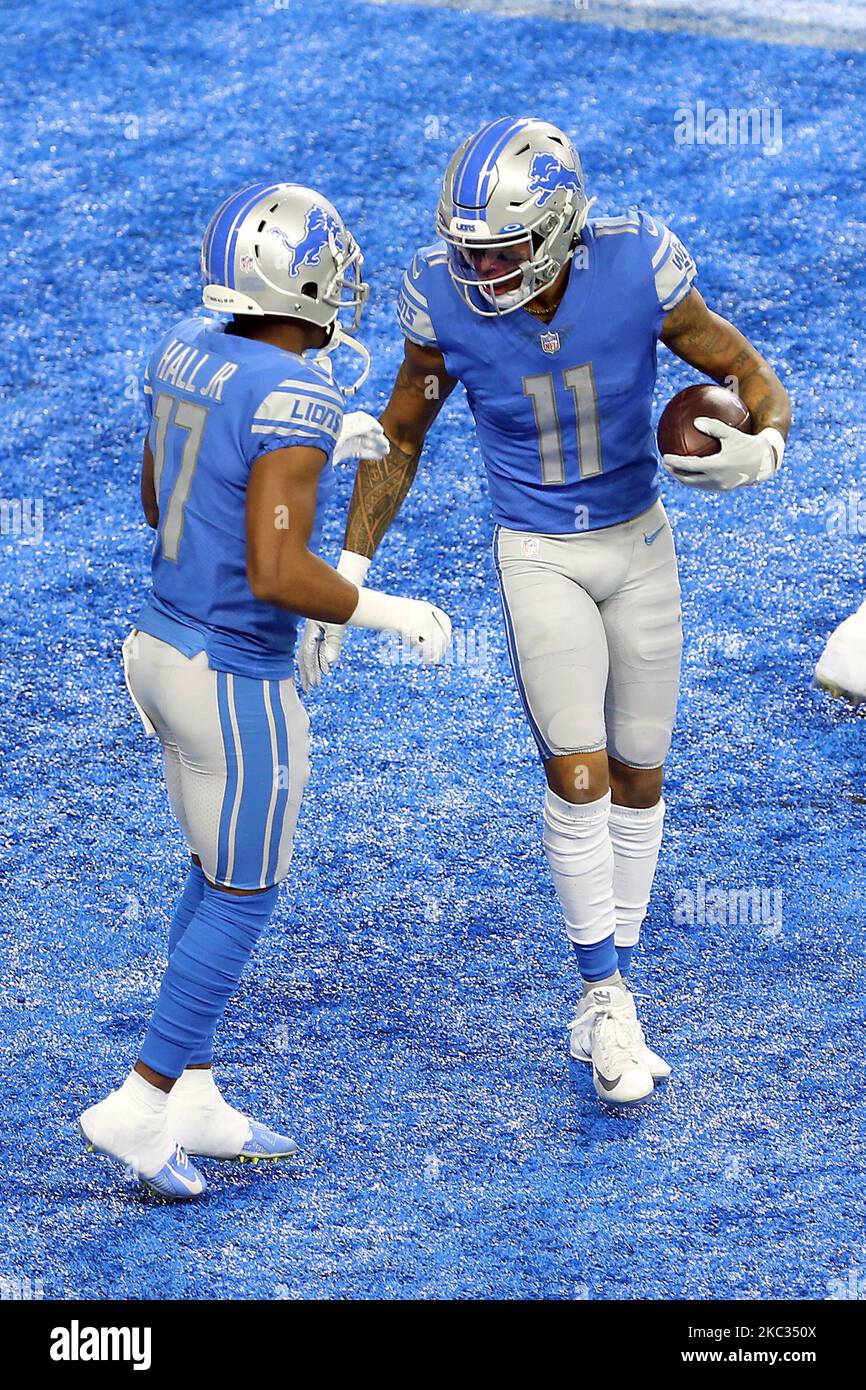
x: 511, y: 212
x: 280, y: 248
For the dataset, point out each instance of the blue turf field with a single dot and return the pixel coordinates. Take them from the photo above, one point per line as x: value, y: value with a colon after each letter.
x: 405, y: 1012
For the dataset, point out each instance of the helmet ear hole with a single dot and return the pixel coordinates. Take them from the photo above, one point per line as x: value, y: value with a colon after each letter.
x: 310, y: 289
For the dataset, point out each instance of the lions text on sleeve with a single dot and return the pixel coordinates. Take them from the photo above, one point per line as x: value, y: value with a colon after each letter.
x: 217, y: 402
x: 563, y: 410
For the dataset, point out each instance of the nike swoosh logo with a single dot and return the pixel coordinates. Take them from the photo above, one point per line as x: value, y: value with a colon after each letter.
x: 191, y: 1185
x: 607, y: 1085
x: 648, y: 539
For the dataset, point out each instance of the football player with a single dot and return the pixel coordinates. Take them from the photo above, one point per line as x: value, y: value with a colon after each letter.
x: 552, y: 322
x: 245, y: 421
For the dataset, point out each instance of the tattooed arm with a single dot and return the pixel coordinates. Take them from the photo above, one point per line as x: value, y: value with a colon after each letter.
x: 421, y: 389
x: 707, y: 341
x: 422, y: 386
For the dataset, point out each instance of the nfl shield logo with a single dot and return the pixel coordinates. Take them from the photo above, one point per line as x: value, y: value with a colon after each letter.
x: 550, y: 342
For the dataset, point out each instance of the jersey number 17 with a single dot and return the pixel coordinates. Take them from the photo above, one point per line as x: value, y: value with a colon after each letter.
x: 185, y: 415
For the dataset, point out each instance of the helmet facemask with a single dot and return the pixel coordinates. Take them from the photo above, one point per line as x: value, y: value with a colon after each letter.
x: 538, y: 270
x: 345, y: 291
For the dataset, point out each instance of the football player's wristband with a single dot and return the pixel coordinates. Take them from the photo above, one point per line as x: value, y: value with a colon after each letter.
x: 353, y: 567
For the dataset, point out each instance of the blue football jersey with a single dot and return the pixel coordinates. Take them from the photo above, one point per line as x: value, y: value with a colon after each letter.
x: 563, y: 410
x: 216, y: 402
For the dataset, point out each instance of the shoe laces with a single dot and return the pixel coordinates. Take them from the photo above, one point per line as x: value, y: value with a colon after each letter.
x: 621, y: 1034
x: 180, y: 1157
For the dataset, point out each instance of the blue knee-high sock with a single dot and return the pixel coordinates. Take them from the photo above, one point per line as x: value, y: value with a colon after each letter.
x: 202, y: 975
x: 189, y: 901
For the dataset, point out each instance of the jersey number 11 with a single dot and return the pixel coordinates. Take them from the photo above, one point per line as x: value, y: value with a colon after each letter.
x: 542, y: 391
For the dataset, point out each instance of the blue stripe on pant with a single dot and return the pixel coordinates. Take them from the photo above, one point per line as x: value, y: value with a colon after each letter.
x: 282, y: 774
x: 256, y: 742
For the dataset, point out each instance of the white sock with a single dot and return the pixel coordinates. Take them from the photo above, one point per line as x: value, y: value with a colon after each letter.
x: 201, y: 1118
x: 580, y: 855
x: 196, y: 1083
x: 143, y: 1096
x: 636, y: 836
x: 132, y: 1124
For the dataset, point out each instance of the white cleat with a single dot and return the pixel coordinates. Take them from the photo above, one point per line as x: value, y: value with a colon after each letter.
x: 143, y: 1142
x: 606, y: 1033
x: 841, y: 669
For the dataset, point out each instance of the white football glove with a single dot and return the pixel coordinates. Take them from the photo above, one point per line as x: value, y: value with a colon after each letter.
x: 361, y: 437
x: 322, y: 643
x: 425, y: 626
x: 744, y: 459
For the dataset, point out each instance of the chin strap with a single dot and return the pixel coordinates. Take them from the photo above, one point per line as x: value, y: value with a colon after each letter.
x: 340, y: 339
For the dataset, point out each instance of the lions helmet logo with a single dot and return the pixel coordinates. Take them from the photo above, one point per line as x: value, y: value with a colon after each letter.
x: 547, y: 175
x: 318, y: 226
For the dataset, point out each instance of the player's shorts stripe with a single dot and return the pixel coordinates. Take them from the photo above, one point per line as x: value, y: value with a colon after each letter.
x: 276, y: 779
x: 286, y: 819
x: 231, y: 692
x: 258, y: 744
x: 545, y: 751
x: 230, y: 793
x: 281, y: 781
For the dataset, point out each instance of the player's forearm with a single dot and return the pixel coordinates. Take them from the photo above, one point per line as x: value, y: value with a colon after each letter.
x: 717, y: 347
x: 761, y: 390
x: 305, y: 584
x: 381, y: 487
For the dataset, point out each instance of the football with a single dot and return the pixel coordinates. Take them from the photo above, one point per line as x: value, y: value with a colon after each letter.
x: 676, y: 432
